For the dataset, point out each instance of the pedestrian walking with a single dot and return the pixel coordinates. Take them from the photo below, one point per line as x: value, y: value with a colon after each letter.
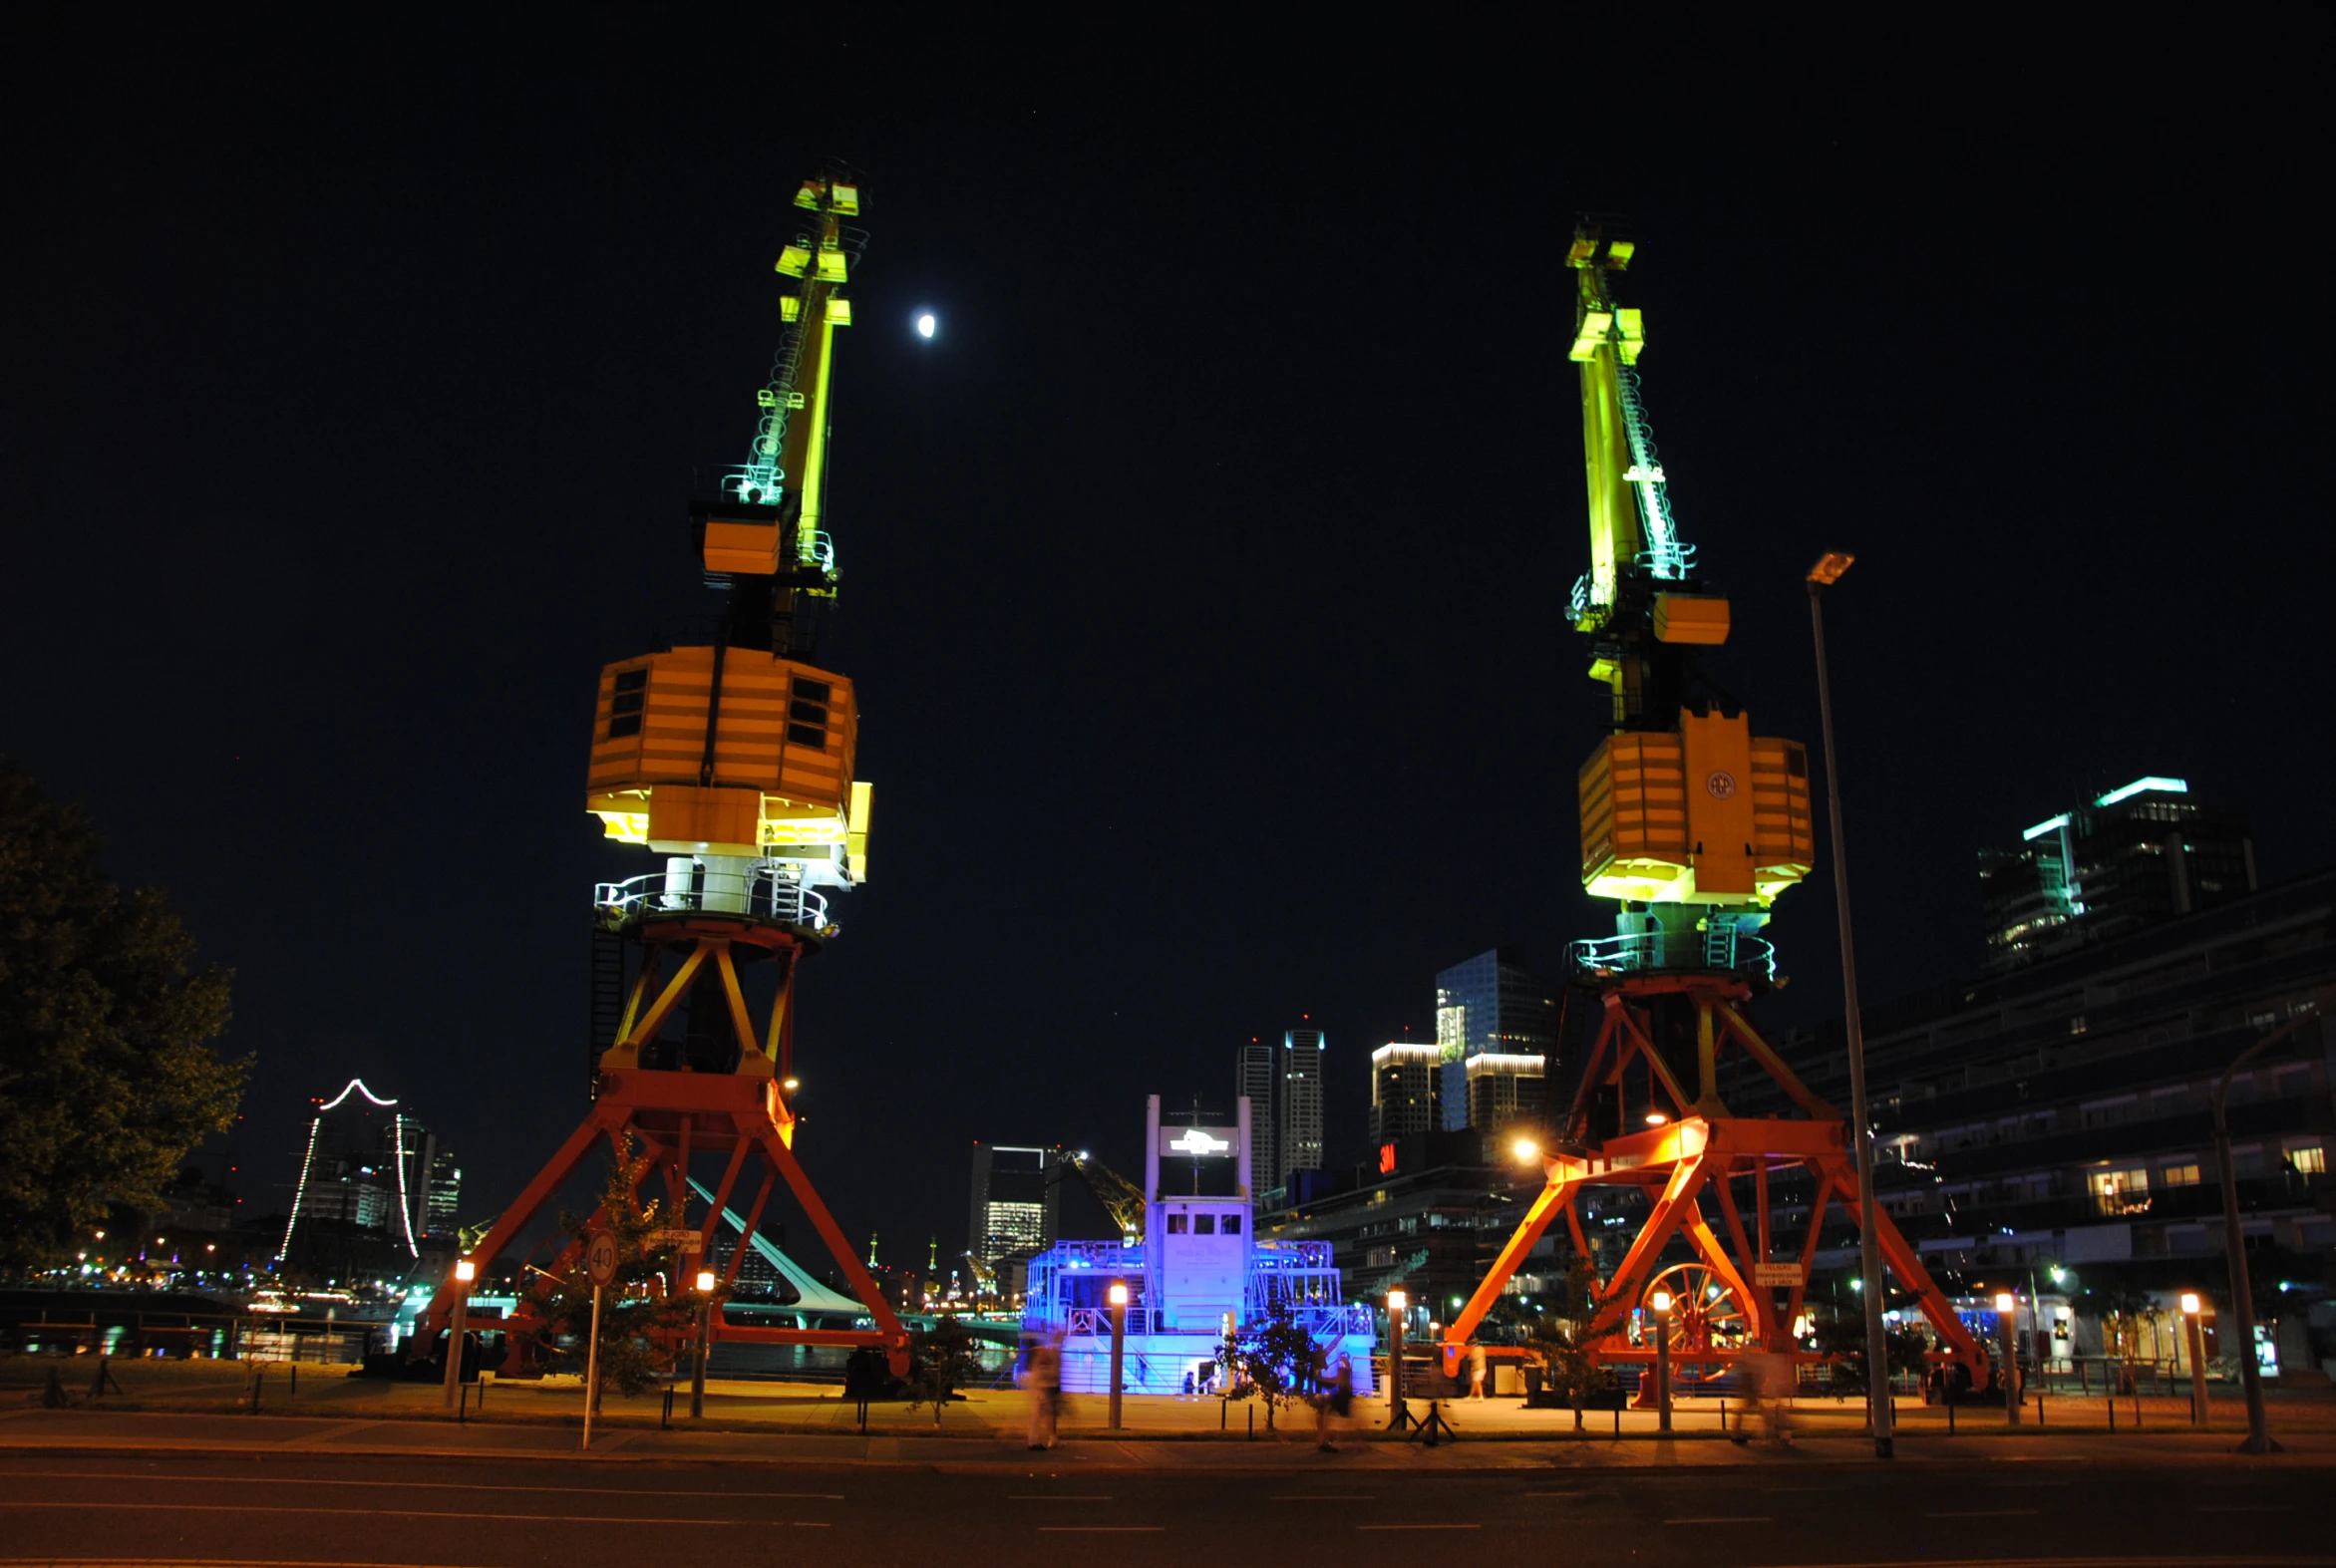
x: 1046, y: 1391
x: 1476, y: 1370
x: 1334, y: 1403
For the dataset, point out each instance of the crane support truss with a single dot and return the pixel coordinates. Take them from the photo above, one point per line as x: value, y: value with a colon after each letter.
x: 1693, y: 1170
x: 675, y: 1117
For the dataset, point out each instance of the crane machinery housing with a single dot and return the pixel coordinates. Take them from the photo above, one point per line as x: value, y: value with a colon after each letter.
x: 732, y: 759
x: 1694, y: 825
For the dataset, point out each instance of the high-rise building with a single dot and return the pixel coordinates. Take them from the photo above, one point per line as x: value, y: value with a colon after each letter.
x: 1256, y: 1075
x: 372, y: 1184
x: 1506, y: 1088
x: 1017, y: 1204
x: 1298, y: 1117
x: 1403, y: 1090
x: 2129, y: 860
x: 1491, y: 1004
x: 443, y: 1193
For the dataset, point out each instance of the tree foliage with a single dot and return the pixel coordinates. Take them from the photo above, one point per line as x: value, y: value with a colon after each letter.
x: 107, y: 1074
x: 1270, y: 1357
x: 639, y: 1322
x: 939, y: 1360
x: 1558, y: 1338
x: 1842, y: 1335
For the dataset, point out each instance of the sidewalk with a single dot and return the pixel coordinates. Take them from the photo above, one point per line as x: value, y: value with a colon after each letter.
x: 984, y: 1435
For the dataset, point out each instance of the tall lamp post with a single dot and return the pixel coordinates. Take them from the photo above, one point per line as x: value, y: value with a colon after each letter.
x: 2193, y: 1316
x: 1119, y: 1301
x: 458, y: 1323
x: 2007, y: 1329
x: 2235, y: 1249
x: 705, y: 1333
x: 1878, y: 1412
x: 1397, y: 1304
x: 1660, y: 1300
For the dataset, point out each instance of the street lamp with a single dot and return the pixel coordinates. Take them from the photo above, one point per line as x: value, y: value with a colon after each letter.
x: 458, y: 1321
x: 1880, y: 1413
x: 1525, y: 1151
x: 1397, y: 1304
x: 1661, y: 1302
x: 2194, y: 1319
x: 2007, y: 1318
x: 706, y: 1283
x: 1119, y: 1301
x: 2235, y: 1251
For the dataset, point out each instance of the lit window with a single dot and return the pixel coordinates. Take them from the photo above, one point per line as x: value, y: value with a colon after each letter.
x: 1175, y: 1224
x: 624, y: 708
x: 2186, y: 1175
x: 2312, y: 1161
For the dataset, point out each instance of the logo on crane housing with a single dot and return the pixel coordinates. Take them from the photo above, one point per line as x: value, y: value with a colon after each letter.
x: 1720, y: 784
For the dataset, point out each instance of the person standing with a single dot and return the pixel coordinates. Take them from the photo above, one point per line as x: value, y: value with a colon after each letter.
x: 1476, y: 1370
x: 1046, y: 1386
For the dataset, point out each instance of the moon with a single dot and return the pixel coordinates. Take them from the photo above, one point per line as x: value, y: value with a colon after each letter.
x: 925, y: 324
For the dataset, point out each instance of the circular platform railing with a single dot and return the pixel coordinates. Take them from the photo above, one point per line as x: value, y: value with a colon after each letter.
x: 756, y: 892
x: 1677, y: 952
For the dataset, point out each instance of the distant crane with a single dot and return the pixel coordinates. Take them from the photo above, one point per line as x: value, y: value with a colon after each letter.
x: 1121, y: 1198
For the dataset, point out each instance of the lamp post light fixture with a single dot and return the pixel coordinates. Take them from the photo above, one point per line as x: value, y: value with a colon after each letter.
x: 1119, y: 1301
x: 1823, y: 574
x: 458, y: 1321
x: 1525, y: 1151
x: 1397, y: 1305
x: 2193, y: 1316
x: 1660, y: 1300
x: 2242, y: 1295
x: 2007, y: 1332
x: 706, y: 1283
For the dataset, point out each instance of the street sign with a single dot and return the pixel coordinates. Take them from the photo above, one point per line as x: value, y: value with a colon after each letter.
x: 600, y: 1259
x: 678, y: 1240
x: 1776, y: 1276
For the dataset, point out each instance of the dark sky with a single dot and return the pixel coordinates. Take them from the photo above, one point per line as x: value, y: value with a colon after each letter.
x: 1204, y: 577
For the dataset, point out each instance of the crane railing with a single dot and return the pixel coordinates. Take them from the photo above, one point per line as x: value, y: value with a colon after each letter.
x: 1722, y: 947
x: 759, y: 891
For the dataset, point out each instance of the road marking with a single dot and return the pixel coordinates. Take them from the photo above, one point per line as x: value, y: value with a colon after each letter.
x: 2267, y: 1507
x: 1726, y: 1519
x: 1558, y: 1494
x: 1318, y: 1497
x: 1419, y: 1527
x: 1781, y: 1491
x: 1056, y: 1497
x: 383, y: 1513
x: 1982, y: 1513
x: 1101, y: 1529
x: 427, y: 1486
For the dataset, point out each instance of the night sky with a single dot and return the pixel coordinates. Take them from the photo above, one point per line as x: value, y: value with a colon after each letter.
x: 1204, y: 578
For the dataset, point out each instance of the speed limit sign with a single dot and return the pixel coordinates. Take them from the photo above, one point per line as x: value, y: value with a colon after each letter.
x: 600, y: 1258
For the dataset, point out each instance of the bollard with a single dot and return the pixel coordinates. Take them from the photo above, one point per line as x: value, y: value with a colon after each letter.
x: 1252, y: 1438
x: 1618, y: 1420
x: 258, y: 1375
x: 1950, y: 1405
x: 463, y: 1407
x: 295, y: 1376
x: 2113, y: 1413
x: 2039, y: 1410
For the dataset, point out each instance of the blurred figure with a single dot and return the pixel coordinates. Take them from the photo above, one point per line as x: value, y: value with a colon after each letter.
x: 1333, y: 1404
x: 1046, y: 1391
x: 1476, y: 1370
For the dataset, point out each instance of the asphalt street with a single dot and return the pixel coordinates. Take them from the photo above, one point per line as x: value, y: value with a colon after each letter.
x: 374, y: 1511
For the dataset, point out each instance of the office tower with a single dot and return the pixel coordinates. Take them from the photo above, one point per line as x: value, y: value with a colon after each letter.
x: 1403, y: 1090
x: 443, y: 1192
x: 1016, y: 1205
x: 1300, y: 1114
x: 1491, y: 1004
x: 1504, y: 1089
x: 2129, y: 860
x: 1256, y: 1075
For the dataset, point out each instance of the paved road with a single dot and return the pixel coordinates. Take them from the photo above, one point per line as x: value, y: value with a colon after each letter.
x: 580, y: 1514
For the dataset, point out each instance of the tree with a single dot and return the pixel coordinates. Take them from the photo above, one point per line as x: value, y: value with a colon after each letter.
x: 639, y: 1321
x: 1842, y: 1335
x: 1270, y: 1357
x: 1557, y: 1339
x: 107, y: 1075
x: 938, y: 1361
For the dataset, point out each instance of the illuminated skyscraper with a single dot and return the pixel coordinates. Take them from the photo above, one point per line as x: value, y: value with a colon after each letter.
x: 1256, y: 1079
x: 2132, y: 857
x: 1298, y: 1117
x: 1403, y: 1090
x: 1491, y: 1004
x: 1015, y: 1205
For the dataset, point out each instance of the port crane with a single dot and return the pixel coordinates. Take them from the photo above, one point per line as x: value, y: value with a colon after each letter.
x: 1693, y: 825
x: 731, y: 761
